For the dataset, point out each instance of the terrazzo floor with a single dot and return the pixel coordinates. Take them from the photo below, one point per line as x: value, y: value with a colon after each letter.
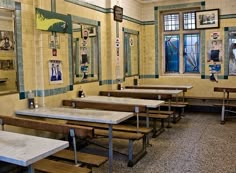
x: 198, y: 143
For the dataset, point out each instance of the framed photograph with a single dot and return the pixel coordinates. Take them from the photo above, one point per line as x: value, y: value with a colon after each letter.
x: 54, y: 41
x: 118, y: 13
x: 207, y: 19
x: 6, y: 40
x: 55, y: 71
x: 92, y: 31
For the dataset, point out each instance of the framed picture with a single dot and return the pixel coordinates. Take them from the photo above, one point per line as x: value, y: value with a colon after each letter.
x: 54, y: 41
x: 207, y: 19
x: 92, y: 31
x: 6, y: 40
x: 55, y: 71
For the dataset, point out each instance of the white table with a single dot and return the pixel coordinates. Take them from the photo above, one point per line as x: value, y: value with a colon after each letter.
x: 107, y: 117
x: 24, y: 150
x: 184, y: 88
x: 136, y: 103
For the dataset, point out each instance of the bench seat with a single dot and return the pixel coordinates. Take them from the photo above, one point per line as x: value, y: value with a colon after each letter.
x: 91, y: 159
x: 131, y: 136
x: 102, y: 130
x: 80, y: 131
x: 52, y: 166
x: 226, y: 105
x: 178, y: 108
x: 155, y: 117
x: 120, y: 127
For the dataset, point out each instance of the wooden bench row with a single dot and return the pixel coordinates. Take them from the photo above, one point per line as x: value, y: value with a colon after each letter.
x: 53, y: 166
x: 178, y: 107
x: 121, y: 132
x: 154, y: 114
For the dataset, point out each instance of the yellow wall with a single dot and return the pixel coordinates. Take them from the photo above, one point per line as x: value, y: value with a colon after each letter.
x: 36, y: 55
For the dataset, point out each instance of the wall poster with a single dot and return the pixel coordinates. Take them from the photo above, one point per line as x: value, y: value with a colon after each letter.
x: 55, y: 71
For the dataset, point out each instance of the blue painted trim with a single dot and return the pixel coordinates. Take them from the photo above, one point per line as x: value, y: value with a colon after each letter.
x: 70, y: 58
x: 156, y: 40
x: 228, y: 16
x: 148, y: 76
x: 19, y: 49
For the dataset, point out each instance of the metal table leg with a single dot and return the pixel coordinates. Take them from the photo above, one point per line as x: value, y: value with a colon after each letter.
x: 110, y: 149
x: 30, y: 169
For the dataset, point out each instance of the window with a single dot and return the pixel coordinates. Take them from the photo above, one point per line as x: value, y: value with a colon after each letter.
x: 232, y: 53
x: 131, y: 52
x: 189, y: 20
x: 181, y: 43
x: 171, y: 22
x: 8, y: 56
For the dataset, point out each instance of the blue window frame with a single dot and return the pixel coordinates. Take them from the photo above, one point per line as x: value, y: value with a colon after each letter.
x: 191, y: 53
x: 172, y: 53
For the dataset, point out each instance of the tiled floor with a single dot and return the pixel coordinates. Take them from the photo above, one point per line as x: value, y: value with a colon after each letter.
x: 198, y: 143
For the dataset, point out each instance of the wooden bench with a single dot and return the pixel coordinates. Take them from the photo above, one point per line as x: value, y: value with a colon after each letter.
x: 178, y: 108
x: 158, y: 115
x: 161, y: 115
x: 52, y: 166
x: 120, y: 132
x: 226, y: 104
x: 81, y: 131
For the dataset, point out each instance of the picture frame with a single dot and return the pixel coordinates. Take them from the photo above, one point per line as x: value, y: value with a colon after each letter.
x: 6, y: 40
x: 207, y: 19
x: 118, y: 13
x: 92, y: 31
x: 55, y: 71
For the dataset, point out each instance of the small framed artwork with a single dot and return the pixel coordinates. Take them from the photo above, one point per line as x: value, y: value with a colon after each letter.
x: 54, y: 41
x: 92, y: 31
x: 207, y: 19
x: 6, y: 40
x: 55, y: 71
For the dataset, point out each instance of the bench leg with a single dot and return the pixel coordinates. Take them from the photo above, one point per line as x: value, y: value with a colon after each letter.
x: 134, y: 159
x: 168, y: 123
x: 223, y: 115
x: 160, y: 130
x: 176, y: 118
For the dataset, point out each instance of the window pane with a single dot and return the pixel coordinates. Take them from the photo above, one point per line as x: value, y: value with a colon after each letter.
x: 171, y: 22
x: 191, y: 53
x: 232, y: 53
x: 189, y: 20
x: 172, y: 53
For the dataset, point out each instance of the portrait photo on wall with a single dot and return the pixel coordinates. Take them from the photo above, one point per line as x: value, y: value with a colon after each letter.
x: 6, y: 40
x: 55, y: 71
x: 232, y: 57
x: 215, y: 51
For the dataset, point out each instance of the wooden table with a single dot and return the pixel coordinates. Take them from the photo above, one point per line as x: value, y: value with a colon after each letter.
x: 184, y: 88
x: 107, y: 117
x: 24, y: 150
x: 225, y: 100
x: 138, y: 105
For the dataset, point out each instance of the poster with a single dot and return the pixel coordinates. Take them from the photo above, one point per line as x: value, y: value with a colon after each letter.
x: 55, y: 71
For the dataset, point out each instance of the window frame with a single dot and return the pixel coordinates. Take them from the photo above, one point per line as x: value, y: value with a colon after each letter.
x: 181, y: 33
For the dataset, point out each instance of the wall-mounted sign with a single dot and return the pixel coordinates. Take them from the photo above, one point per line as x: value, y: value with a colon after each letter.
x: 118, y: 13
x: 51, y: 21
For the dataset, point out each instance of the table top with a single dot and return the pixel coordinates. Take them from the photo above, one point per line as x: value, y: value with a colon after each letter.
x: 24, y: 150
x: 149, y: 91
x: 166, y: 86
x: 98, y: 116
x: 121, y: 100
